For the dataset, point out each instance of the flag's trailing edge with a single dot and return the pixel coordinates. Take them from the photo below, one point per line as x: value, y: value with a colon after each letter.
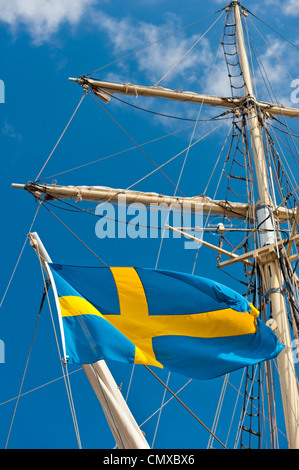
x: 188, y: 324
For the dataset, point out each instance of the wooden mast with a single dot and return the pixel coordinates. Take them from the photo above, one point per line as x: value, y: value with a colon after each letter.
x: 272, y: 275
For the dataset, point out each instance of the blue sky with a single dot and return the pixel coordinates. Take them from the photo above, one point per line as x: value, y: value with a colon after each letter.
x: 43, y: 44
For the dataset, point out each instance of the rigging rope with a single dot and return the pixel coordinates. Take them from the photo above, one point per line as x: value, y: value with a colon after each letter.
x: 47, y: 284
x: 153, y: 171
x: 218, y: 411
x: 151, y: 44
x: 115, y: 154
x: 160, y: 411
x: 217, y: 161
x: 235, y: 407
x: 20, y: 255
x: 186, y: 156
x: 242, y: 416
x: 130, y: 382
x: 76, y: 236
x: 180, y: 176
x: 272, y: 29
x: 189, y: 50
x: 294, y: 182
x: 275, y: 55
x: 215, y: 118
x: 185, y: 406
x: 166, y: 388
x: 166, y: 403
x: 268, y: 85
x: 39, y: 387
x: 111, y: 414
x: 177, y: 155
x: 138, y: 146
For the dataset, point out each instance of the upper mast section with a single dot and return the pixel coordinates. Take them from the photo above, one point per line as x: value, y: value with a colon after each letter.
x: 253, y: 108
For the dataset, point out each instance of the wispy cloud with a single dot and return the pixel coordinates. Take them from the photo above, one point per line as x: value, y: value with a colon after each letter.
x: 193, y: 72
x: 288, y: 7
x: 126, y: 35
x: 42, y: 19
x: 275, y: 68
x: 292, y: 8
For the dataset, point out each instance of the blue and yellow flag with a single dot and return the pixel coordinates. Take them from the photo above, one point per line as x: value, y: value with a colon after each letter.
x: 188, y: 324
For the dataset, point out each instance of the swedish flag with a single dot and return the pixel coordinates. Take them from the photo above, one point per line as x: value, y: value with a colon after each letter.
x: 188, y: 324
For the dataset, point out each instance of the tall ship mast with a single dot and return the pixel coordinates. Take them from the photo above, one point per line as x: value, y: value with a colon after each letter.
x: 268, y: 237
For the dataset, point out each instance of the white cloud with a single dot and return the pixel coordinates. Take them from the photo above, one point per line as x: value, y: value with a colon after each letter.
x: 126, y: 35
x: 291, y: 8
x: 42, y: 19
x: 273, y: 76
x: 9, y: 131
